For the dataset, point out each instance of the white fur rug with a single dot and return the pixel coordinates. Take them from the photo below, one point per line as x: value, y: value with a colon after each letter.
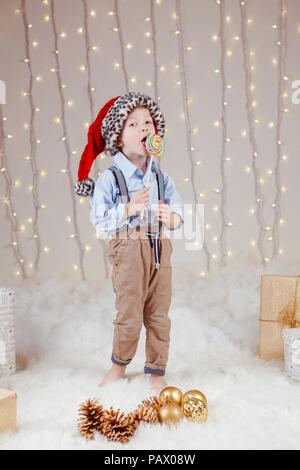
x: 64, y: 339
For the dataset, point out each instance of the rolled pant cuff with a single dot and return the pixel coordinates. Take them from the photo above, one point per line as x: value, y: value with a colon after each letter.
x: 148, y: 370
x: 118, y: 362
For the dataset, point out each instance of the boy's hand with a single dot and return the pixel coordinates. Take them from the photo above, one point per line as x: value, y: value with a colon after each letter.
x: 164, y: 213
x: 139, y: 201
x: 167, y: 216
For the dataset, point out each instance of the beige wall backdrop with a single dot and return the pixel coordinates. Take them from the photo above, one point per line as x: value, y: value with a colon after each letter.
x: 223, y: 72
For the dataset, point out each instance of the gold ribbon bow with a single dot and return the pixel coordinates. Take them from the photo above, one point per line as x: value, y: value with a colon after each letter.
x: 286, y: 316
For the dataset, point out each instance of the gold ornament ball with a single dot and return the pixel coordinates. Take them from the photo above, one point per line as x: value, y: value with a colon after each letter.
x: 195, y: 410
x: 170, y: 414
x: 172, y: 394
x: 195, y: 395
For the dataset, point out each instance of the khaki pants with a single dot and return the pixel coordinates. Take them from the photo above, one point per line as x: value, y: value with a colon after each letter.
x: 143, y: 295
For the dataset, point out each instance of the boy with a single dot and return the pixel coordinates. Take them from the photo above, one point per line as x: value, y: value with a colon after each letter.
x: 142, y: 282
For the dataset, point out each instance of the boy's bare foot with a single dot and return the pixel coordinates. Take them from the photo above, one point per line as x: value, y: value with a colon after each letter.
x: 158, y: 382
x: 115, y: 373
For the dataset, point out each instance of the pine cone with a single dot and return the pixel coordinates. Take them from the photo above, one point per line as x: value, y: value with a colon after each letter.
x: 116, y: 426
x: 90, y: 418
x: 148, y: 410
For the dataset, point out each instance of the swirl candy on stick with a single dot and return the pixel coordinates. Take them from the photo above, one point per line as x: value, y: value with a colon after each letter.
x: 155, y: 146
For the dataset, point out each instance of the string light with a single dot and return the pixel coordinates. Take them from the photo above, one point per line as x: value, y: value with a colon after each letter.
x: 9, y: 203
x: 33, y: 140
x: 250, y: 117
x: 120, y: 35
x: 282, y: 77
x: 65, y: 140
x: 186, y: 110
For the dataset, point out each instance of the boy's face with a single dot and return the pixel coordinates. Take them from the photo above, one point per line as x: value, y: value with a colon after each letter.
x: 138, y: 125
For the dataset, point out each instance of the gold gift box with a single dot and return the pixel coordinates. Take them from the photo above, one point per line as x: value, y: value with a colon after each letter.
x: 279, y: 309
x: 8, y: 410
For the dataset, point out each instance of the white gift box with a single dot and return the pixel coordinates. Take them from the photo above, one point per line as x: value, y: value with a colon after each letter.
x: 7, y: 332
x: 291, y: 338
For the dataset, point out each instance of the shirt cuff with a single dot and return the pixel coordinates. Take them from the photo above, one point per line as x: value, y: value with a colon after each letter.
x: 179, y: 212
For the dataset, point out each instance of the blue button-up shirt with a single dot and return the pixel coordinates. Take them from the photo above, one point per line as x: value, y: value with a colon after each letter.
x: 107, y: 211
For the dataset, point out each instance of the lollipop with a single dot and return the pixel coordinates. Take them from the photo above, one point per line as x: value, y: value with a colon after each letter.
x: 155, y: 146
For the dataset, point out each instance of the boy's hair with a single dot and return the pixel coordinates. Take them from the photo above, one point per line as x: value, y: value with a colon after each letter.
x: 105, y: 131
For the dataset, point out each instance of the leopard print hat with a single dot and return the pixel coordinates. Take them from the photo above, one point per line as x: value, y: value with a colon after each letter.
x: 105, y: 131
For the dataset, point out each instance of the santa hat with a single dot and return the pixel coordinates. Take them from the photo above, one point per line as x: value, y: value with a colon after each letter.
x: 105, y: 131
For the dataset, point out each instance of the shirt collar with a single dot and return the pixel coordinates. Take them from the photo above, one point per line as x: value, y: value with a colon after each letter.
x: 127, y: 167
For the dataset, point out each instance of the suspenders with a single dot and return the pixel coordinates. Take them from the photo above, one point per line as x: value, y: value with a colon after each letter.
x: 124, y: 198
